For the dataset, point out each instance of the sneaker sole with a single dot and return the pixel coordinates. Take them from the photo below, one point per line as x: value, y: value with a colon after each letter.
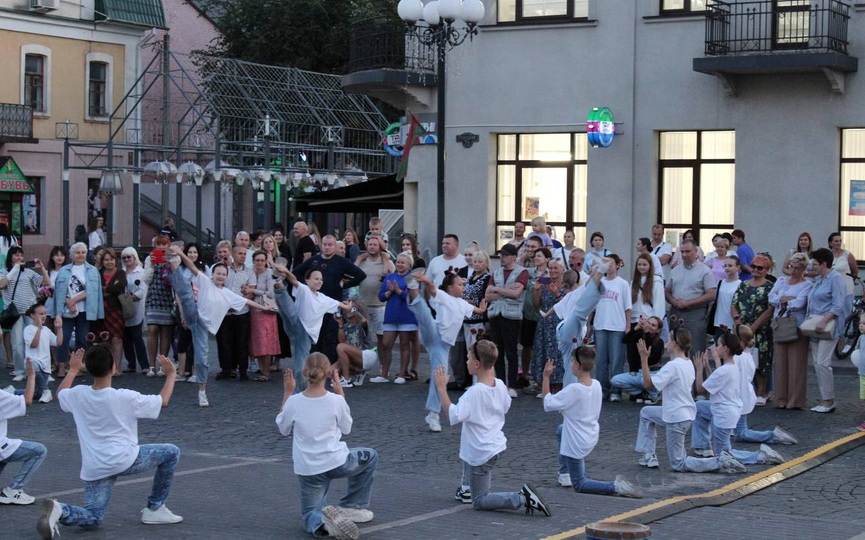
x: 346, y: 528
x: 541, y: 506
x: 42, y: 525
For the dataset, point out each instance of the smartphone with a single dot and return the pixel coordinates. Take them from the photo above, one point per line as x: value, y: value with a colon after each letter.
x: 545, y: 280
x: 158, y: 256
x: 30, y: 264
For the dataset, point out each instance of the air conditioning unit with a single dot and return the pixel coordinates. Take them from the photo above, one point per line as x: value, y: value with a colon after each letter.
x: 44, y: 5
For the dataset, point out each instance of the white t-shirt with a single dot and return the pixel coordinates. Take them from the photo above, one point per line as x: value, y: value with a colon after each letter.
x: 439, y: 267
x: 482, y: 411
x: 662, y: 249
x: 610, y: 312
x: 107, y: 424
x: 41, y: 355
x: 312, y: 308
x: 747, y: 367
x: 580, y: 406
x: 675, y: 380
x: 319, y: 423
x: 450, y: 313
x: 78, y: 273
x: 566, y: 305
x: 10, y: 407
x: 658, y: 307
x: 214, y: 302
x: 723, y: 384
x: 725, y: 300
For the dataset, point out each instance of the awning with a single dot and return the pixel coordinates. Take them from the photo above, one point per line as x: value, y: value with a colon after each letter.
x: 148, y: 13
x: 370, y: 196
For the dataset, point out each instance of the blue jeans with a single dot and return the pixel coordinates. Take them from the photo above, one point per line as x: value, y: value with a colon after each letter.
x: 359, y: 468
x: 81, y: 325
x: 576, y: 469
x: 569, y: 332
x: 647, y: 434
x: 31, y: 454
x: 611, y: 356
x: 741, y: 433
x: 720, y: 437
x: 41, y: 384
x: 97, y: 493
x: 301, y: 343
x: 632, y: 383
x: 437, y: 349
x: 480, y: 478
x: 200, y: 334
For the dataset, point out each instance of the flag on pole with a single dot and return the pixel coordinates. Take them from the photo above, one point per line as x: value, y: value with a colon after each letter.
x: 415, y: 129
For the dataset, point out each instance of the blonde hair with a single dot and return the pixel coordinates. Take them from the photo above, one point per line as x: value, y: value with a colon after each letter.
x: 745, y: 334
x: 799, y: 258
x: 485, y: 352
x: 316, y: 368
x: 408, y: 256
x: 539, y: 220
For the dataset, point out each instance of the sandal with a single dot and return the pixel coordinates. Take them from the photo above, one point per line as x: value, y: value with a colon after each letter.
x: 262, y: 378
x: 412, y: 375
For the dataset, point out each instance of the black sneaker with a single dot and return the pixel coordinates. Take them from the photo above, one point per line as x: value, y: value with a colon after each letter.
x: 463, y: 495
x: 534, y: 501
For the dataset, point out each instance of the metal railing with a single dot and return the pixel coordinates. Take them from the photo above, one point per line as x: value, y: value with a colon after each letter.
x: 381, y: 43
x: 768, y: 26
x: 16, y: 121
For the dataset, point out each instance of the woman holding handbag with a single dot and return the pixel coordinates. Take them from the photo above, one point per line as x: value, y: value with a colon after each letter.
x: 826, y: 305
x: 20, y: 287
x: 789, y: 296
x: 113, y: 285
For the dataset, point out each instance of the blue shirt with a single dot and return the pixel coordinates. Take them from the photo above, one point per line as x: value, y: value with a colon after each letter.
x: 746, y: 255
x: 828, y: 296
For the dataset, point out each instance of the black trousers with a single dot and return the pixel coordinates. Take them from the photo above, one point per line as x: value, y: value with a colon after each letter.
x: 232, y: 343
x: 505, y: 333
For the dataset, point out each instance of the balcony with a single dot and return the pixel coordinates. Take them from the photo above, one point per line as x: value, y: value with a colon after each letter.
x: 387, y: 64
x: 16, y: 124
x: 777, y: 36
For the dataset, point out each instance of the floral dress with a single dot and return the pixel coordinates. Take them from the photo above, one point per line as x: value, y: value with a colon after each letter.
x: 546, y: 346
x: 751, y: 303
x: 159, y: 305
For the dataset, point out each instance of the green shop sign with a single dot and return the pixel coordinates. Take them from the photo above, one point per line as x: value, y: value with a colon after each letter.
x: 11, y: 178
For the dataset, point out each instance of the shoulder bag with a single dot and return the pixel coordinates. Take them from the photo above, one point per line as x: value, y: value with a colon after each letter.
x: 809, y: 328
x: 784, y: 329
x: 9, y: 316
x: 128, y: 305
x: 710, y: 317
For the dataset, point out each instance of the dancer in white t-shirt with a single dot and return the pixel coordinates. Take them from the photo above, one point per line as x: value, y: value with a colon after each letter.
x: 29, y: 454
x: 319, y: 419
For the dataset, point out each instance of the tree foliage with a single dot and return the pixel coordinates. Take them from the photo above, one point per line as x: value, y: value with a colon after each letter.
x: 306, y: 34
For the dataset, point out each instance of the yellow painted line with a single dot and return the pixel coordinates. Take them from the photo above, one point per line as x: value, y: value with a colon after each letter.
x: 765, y: 479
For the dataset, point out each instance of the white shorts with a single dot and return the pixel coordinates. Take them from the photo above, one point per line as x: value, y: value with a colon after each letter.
x: 370, y: 359
x: 376, y: 319
x: 400, y: 327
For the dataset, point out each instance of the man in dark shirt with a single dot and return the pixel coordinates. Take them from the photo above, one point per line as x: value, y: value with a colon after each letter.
x: 305, y: 246
x: 169, y: 230
x: 337, y: 274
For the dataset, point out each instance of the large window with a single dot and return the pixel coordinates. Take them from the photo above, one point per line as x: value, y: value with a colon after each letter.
x: 541, y: 175
x: 683, y: 7
x: 34, y: 82
x: 697, y: 179
x: 530, y: 11
x: 852, y: 211
x: 97, y: 89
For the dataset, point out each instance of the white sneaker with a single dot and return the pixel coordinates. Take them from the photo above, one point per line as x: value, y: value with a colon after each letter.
x: 253, y: 366
x: 46, y: 396
x: 160, y: 373
x: 345, y: 383
x: 399, y: 380
x: 19, y: 378
x: 379, y: 379
x: 50, y: 378
x: 160, y: 516
x: 768, y: 455
x: 50, y: 514
x: 565, y: 480
x: 10, y: 390
x: 179, y: 378
x: 782, y: 436
x: 615, y: 397
x: 649, y: 460
x: 626, y: 489
x: 704, y: 452
x: 15, y: 496
x: 202, y: 399
x: 432, y: 420
x: 358, y: 379
x: 357, y: 515
x: 151, y: 372
x: 729, y: 464
x: 337, y: 525
x: 513, y: 393
x: 192, y: 379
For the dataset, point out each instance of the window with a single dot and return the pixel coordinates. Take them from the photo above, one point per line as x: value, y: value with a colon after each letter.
x: 681, y: 7
x: 696, y: 177
x: 852, y: 211
x: 99, y: 85
x: 31, y: 208
x: 36, y: 79
x: 527, y: 11
x: 34, y: 82
x: 533, y: 172
x: 791, y: 22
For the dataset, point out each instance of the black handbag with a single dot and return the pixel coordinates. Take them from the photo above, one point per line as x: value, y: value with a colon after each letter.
x: 710, y: 317
x: 9, y: 316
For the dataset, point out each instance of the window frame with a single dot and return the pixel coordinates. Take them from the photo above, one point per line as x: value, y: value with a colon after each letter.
x: 841, y: 162
x: 45, y: 53
x: 38, y: 184
x: 684, y: 11
x: 695, y: 165
x: 521, y: 164
x: 108, y: 61
x: 520, y: 19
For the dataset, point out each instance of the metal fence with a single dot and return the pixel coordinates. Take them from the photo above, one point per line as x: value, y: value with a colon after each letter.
x: 16, y: 121
x: 776, y: 25
x: 382, y: 43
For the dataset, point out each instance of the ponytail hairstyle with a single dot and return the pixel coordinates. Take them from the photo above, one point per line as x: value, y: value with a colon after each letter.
x: 745, y: 335
x: 729, y: 340
x: 448, y: 281
x: 316, y: 368
x: 680, y: 335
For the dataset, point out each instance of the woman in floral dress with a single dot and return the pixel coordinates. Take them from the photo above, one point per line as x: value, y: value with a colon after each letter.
x: 159, y: 305
x: 546, y: 346
x: 751, y: 306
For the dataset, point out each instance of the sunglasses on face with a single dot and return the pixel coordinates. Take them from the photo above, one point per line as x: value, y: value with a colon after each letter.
x: 758, y: 267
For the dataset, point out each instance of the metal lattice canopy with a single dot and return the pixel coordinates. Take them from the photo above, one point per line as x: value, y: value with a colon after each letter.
x: 198, y: 107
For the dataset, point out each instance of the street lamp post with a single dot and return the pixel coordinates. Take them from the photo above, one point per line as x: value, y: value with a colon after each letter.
x: 67, y: 131
x: 435, y: 24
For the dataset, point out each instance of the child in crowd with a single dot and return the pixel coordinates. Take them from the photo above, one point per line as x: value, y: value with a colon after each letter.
x: 539, y: 229
x: 100, y: 410
x: 303, y: 317
x: 356, y: 352
x: 319, y: 418
x: 440, y: 333
x: 29, y: 454
x: 580, y: 405
x: 482, y: 412
x: 38, y: 341
x: 375, y: 228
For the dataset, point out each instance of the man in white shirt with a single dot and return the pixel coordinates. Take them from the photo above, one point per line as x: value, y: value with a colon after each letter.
x: 451, y: 261
x: 232, y: 339
x: 519, y: 234
x: 661, y: 249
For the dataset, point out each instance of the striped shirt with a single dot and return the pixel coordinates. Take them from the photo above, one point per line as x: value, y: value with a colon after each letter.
x: 25, y: 294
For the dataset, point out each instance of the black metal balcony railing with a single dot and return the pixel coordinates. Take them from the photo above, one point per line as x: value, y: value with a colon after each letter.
x: 768, y: 26
x: 16, y: 121
x: 381, y: 43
